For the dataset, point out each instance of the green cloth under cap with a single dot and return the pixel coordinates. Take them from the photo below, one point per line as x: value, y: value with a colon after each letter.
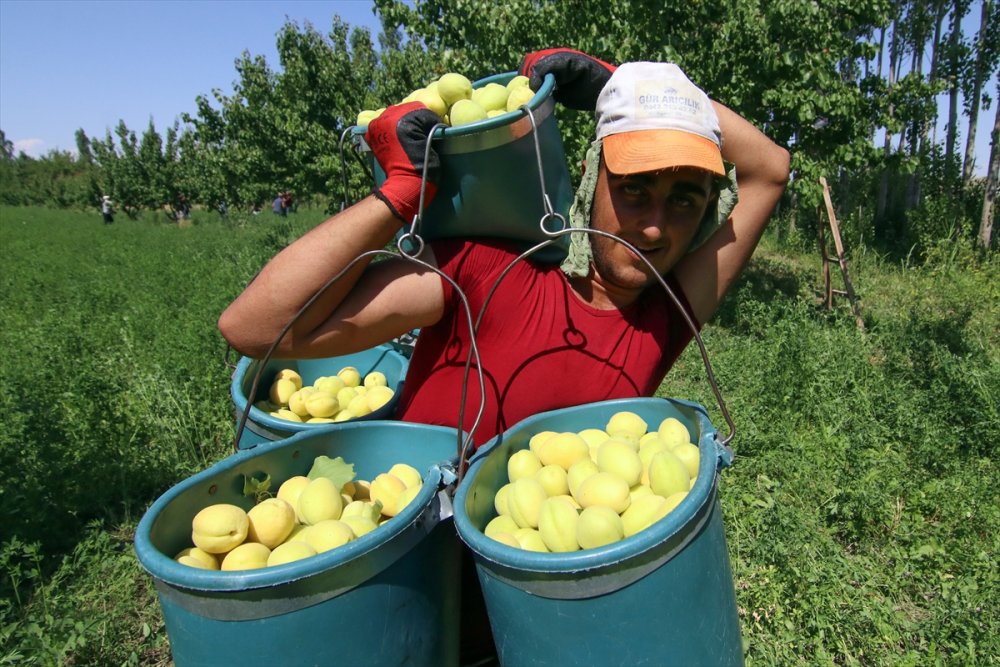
x: 578, y: 259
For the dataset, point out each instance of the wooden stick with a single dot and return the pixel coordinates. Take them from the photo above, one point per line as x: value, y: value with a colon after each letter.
x: 835, y: 229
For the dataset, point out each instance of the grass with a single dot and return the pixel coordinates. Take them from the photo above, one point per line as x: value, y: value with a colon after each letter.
x: 861, y: 511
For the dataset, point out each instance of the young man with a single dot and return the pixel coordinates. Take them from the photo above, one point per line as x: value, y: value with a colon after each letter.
x: 549, y: 338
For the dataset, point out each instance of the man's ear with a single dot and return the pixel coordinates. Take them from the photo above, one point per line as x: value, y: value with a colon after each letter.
x: 583, y: 167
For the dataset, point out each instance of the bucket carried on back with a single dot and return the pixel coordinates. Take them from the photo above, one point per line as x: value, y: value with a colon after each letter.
x: 663, y: 596
x: 497, y: 173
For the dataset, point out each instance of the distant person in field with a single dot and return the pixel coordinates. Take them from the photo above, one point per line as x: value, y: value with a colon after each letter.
x: 278, y: 205
x: 598, y: 327
x: 107, y: 211
x: 183, y: 207
x: 287, y: 201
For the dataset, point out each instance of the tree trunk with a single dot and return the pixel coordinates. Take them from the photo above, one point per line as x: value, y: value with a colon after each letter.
x: 958, y: 12
x: 990, y: 197
x: 917, y: 133
x: 969, y: 164
x: 878, y: 71
x: 883, y: 185
x: 935, y: 57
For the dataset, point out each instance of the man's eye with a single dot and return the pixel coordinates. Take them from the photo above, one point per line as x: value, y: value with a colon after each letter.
x: 631, y: 189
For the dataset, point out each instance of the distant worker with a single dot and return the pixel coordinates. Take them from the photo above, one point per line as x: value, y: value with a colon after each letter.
x: 107, y: 212
x: 278, y: 205
x: 183, y: 207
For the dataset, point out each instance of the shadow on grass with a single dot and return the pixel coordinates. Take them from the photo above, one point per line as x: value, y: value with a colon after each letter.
x: 767, y: 281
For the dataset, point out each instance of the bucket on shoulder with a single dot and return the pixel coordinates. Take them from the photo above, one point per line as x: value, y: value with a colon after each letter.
x: 496, y: 175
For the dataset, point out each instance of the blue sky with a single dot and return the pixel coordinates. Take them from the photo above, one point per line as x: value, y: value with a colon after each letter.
x: 68, y: 64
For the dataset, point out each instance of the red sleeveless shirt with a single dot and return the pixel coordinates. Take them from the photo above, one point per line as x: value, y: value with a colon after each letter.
x: 541, y: 347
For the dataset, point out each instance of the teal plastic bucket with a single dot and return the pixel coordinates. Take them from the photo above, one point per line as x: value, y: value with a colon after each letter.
x: 490, y: 184
x: 664, y: 596
x: 262, y: 427
x: 388, y: 598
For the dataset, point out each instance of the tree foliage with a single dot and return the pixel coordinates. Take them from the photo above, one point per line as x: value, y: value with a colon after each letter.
x: 842, y: 84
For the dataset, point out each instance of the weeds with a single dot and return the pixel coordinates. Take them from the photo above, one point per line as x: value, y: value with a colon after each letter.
x: 862, y: 514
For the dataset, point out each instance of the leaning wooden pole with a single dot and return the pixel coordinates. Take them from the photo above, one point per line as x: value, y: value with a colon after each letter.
x: 835, y: 232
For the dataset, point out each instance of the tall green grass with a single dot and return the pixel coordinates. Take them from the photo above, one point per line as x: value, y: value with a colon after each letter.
x: 861, y: 511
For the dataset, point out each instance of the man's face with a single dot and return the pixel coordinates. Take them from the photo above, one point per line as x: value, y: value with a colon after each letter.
x: 657, y: 212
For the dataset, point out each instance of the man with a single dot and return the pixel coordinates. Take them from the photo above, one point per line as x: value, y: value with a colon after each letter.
x: 107, y: 211
x: 549, y: 338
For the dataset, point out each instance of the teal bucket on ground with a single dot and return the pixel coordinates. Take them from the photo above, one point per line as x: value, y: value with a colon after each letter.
x: 262, y: 427
x: 490, y: 185
x: 387, y: 598
x: 664, y: 596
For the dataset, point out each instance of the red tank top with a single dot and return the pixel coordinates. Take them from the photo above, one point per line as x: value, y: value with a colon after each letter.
x: 541, y: 347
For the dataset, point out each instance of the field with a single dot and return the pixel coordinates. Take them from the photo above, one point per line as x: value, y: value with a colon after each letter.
x: 862, y: 511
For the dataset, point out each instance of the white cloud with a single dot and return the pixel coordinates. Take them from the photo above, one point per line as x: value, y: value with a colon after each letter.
x: 32, y: 147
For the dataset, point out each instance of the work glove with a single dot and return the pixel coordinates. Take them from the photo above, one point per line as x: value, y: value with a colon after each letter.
x: 579, y: 78
x: 398, y: 138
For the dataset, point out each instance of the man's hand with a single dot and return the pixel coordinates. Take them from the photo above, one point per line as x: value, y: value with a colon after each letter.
x: 579, y: 77
x: 398, y: 138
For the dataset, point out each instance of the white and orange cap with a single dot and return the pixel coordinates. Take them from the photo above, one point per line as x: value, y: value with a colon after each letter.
x: 651, y: 117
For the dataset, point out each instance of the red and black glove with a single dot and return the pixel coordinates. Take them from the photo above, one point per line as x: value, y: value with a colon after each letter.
x: 579, y: 77
x: 398, y: 138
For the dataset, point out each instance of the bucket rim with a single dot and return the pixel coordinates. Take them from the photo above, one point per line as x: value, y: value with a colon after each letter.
x: 537, y: 101
x: 165, y: 569
x: 262, y: 418
x: 701, y: 494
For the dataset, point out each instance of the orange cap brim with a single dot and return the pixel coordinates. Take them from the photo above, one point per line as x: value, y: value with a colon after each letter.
x: 652, y: 150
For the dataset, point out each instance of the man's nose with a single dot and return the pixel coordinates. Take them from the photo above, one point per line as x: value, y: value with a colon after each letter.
x: 654, y: 221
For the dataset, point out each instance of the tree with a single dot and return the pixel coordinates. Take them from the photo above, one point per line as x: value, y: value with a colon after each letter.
x: 987, y: 53
x: 6, y: 147
x: 152, y: 170
x: 992, y: 183
x: 957, y: 57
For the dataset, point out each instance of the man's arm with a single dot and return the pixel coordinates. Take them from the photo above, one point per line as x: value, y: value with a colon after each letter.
x: 371, y: 303
x: 367, y: 306
x: 707, y: 274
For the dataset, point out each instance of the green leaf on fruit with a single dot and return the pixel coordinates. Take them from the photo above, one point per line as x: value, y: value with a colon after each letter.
x: 336, y: 470
x: 257, y: 488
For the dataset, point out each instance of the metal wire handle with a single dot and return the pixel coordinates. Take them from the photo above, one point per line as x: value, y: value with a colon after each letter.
x: 413, y: 236
x: 412, y: 255
x: 554, y: 235
x: 687, y: 318
x: 463, y: 444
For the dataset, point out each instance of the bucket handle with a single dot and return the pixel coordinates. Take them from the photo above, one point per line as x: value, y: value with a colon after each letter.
x: 725, y: 451
x: 687, y: 318
x: 555, y: 235
x: 564, y: 230
x: 463, y: 442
